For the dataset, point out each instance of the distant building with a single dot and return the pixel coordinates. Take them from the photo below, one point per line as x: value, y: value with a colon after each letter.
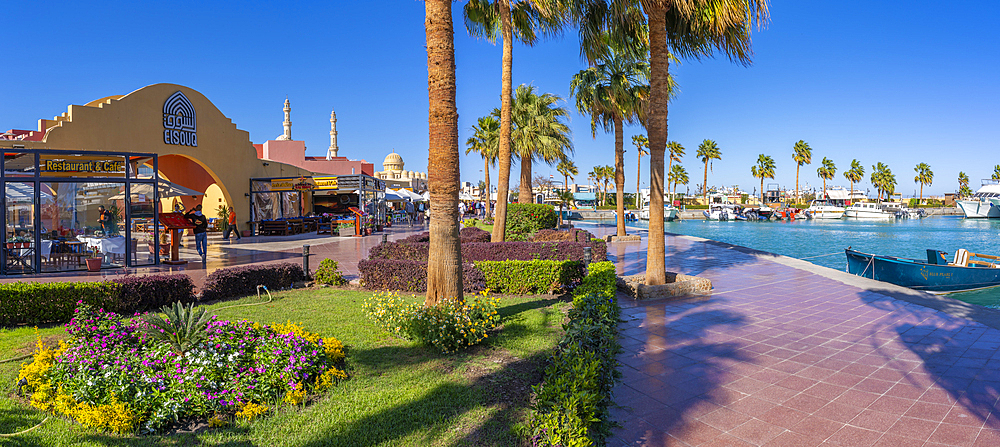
x: 396, y: 177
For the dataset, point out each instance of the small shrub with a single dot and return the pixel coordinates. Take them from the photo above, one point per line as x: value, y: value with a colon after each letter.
x: 448, y: 327
x: 528, y: 218
x: 144, y: 293
x: 243, y: 280
x: 328, y: 273
x: 530, y: 277
x: 473, y: 234
x: 182, y: 329
x: 37, y: 303
x: 571, y: 235
x: 496, y: 251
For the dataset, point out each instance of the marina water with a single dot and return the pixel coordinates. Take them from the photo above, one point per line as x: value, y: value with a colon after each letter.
x: 822, y: 242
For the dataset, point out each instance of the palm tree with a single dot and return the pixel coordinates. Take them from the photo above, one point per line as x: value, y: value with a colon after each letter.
x: 641, y: 144
x: 883, y: 180
x: 614, y: 93
x: 963, y: 185
x: 444, y: 258
x: 924, y: 176
x: 854, y: 175
x: 677, y: 175
x: 996, y: 172
x: 608, y: 173
x: 762, y: 170
x: 802, y: 155
x: 539, y: 133
x: 692, y: 29
x: 523, y: 20
x: 708, y: 151
x: 826, y: 172
x: 568, y: 169
x: 485, y: 142
x: 674, y: 153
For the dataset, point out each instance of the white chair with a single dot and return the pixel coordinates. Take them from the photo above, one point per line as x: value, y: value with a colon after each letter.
x: 961, y: 258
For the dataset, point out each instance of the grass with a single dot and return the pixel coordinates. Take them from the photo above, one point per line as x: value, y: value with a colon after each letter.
x: 399, y: 393
x: 478, y: 224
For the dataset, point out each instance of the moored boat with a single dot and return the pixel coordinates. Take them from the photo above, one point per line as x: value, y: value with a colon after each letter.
x: 868, y: 210
x: 821, y: 209
x: 721, y: 212
x: 669, y: 213
x: 985, y: 203
x: 935, y: 274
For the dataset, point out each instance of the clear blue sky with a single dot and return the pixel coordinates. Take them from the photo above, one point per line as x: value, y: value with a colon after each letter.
x: 900, y: 83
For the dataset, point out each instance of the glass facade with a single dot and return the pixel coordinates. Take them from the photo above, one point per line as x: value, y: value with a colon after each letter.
x: 65, y: 207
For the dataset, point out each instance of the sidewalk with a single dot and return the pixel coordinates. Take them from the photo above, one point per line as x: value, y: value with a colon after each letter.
x: 786, y: 353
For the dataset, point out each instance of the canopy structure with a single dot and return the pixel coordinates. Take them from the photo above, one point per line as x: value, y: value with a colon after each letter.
x: 465, y: 196
x: 165, y: 189
x: 426, y: 196
x: 393, y: 196
x: 405, y: 193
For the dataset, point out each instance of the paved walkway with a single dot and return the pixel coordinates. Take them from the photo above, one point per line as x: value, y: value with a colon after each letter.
x: 250, y: 250
x: 786, y: 353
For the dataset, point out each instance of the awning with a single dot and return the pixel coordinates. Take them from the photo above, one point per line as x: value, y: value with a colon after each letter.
x: 584, y: 196
x: 392, y: 196
x: 465, y: 196
x: 405, y: 193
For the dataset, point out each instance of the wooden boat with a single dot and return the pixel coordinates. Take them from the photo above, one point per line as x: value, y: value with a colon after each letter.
x: 935, y: 274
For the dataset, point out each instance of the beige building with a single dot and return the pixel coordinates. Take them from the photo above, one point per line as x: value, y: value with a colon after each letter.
x: 396, y: 177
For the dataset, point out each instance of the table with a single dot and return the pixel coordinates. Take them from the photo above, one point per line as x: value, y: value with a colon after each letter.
x: 106, y: 246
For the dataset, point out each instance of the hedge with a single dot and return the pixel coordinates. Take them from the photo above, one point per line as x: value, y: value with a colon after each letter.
x: 465, y: 235
x: 496, y: 251
x: 411, y: 276
x: 38, y: 303
x: 530, y: 277
x: 243, y: 280
x: 571, y: 235
x: 571, y: 404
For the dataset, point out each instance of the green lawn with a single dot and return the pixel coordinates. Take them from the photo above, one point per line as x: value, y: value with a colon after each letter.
x: 399, y: 393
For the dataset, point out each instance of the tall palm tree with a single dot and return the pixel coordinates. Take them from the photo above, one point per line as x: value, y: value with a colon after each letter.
x: 641, y: 144
x: 762, y: 170
x: 444, y: 258
x: 523, y: 20
x: 674, y: 153
x: 539, y: 133
x: 707, y: 151
x: 802, y: 154
x: 924, y: 176
x: 613, y: 92
x: 963, y: 185
x: 677, y: 175
x: 568, y: 169
x: 854, y: 175
x: 883, y: 180
x: 607, y: 174
x: 485, y: 141
x: 826, y: 172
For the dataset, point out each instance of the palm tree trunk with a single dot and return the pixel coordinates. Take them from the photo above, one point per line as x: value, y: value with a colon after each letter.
x: 705, y: 185
x: 444, y: 258
x: 656, y: 127
x: 486, y: 169
x: 638, y: 175
x: 503, y: 177
x: 762, y: 191
x: 620, y: 175
x: 850, y: 198
x: 525, y: 195
x: 921, y: 194
x: 797, y: 199
x: 823, y: 196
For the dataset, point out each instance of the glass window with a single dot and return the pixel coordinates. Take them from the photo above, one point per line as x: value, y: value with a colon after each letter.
x: 143, y: 245
x: 19, y: 249
x: 19, y: 164
x: 78, y: 228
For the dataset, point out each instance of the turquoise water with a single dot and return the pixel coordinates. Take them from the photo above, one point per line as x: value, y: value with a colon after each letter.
x: 823, y: 242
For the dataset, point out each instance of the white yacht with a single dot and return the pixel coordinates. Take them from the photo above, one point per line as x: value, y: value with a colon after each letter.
x: 868, y: 210
x: 984, y: 203
x: 821, y: 209
x: 721, y: 211
x: 669, y: 213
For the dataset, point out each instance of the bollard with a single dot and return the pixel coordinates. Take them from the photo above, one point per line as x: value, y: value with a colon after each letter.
x: 385, y: 238
x: 586, y: 255
x: 305, y: 260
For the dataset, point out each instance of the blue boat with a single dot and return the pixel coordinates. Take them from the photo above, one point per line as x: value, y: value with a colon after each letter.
x: 934, y: 274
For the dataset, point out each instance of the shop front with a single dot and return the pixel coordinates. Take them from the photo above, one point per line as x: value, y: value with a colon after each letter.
x: 356, y: 201
x: 65, y: 209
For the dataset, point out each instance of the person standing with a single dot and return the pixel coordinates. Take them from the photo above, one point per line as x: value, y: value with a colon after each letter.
x: 104, y: 219
x: 200, y: 231
x: 231, y: 218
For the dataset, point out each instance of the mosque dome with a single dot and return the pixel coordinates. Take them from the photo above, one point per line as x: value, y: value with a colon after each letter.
x: 393, y: 162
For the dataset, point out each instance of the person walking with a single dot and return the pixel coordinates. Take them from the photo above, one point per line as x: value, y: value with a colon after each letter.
x: 200, y: 223
x: 231, y: 218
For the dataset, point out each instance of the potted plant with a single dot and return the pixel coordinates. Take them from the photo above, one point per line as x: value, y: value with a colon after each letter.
x: 94, y: 262
x: 18, y: 242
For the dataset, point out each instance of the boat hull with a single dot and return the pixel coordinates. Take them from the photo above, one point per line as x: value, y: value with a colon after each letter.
x: 920, y: 275
x: 979, y: 209
x: 865, y: 214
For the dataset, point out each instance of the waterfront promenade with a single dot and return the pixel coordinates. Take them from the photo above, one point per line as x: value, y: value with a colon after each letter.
x: 786, y: 353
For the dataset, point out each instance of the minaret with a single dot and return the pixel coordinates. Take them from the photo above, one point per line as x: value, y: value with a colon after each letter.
x: 332, y: 152
x: 288, y: 122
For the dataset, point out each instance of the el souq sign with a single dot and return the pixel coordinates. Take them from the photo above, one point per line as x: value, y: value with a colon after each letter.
x: 180, y: 124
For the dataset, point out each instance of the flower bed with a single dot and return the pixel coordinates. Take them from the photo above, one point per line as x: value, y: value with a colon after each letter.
x: 448, y: 327
x: 530, y: 277
x: 112, y: 375
x: 496, y: 251
x: 411, y: 276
